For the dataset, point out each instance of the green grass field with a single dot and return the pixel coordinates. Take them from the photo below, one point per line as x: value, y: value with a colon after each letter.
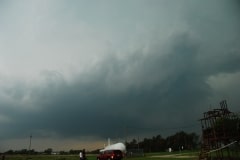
x: 149, y: 156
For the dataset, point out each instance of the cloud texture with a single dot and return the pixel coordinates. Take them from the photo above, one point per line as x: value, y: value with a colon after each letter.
x: 81, y: 71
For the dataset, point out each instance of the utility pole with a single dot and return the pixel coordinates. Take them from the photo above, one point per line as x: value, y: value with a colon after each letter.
x: 138, y: 143
x: 30, y: 143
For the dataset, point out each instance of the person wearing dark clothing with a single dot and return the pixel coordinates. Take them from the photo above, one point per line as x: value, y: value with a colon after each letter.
x: 3, y: 157
x: 84, y: 154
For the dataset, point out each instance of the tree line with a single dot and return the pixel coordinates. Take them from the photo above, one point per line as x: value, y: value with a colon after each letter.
x: 178, y: 141
x: 47, y: 151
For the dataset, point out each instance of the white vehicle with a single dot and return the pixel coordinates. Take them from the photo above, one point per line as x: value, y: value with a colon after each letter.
x: 116, y: 146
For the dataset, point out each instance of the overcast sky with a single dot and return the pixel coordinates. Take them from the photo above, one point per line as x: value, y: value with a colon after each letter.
x: 74, y: 73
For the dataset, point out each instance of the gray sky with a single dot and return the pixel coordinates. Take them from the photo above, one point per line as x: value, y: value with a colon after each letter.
x: 74, y: 73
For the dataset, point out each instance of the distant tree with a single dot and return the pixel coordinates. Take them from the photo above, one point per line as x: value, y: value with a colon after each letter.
x: 9, y: 152
x: 193, y: 141
x: 48, y: 151
x: 133, y: 144
x: 74, y: 151
x: 22, y: 151
x: 178, y: 141
x: 182, y: 139
x: 95, y: 151
x: 146, y: 144
x: 158, y: 144
x: 63, y: 153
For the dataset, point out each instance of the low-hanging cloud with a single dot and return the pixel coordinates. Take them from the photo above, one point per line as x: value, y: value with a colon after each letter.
x: 165, y: 81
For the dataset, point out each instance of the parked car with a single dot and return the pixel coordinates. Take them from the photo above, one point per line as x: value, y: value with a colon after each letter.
x: 110, y: 155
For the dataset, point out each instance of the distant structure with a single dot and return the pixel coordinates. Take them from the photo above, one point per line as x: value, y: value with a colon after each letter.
x: 220, y: 134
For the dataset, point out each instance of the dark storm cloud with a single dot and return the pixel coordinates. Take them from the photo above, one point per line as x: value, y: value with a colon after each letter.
x: 162, y: 85
x: 158, y: 88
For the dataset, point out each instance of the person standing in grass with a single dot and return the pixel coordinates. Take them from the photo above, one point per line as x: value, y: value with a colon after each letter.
x: 81, y: 155
x: 84, y: 154
x: 3, y: 157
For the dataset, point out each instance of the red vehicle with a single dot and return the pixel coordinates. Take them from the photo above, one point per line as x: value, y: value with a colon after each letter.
x: 110, y: 155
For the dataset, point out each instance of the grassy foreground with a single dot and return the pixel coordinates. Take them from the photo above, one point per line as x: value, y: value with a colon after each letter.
x: 150, y: 156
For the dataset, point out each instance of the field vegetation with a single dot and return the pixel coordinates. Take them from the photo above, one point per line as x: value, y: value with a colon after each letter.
x: 187, y: 155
